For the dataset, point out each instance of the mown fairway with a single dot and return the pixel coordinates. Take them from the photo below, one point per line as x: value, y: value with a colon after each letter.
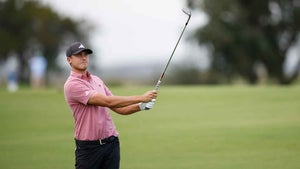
x: 224, y: 127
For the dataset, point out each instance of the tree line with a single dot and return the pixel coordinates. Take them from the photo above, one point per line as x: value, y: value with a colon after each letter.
x: 28, y: 26
x: 242, y: 34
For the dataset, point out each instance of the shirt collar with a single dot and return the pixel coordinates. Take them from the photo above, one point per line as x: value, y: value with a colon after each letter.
x: 87, y: 75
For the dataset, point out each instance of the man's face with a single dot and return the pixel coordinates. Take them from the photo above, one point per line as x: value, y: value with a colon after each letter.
x: 79, y: 62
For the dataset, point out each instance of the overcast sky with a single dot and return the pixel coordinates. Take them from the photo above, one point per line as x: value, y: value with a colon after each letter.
x: 131, y: 31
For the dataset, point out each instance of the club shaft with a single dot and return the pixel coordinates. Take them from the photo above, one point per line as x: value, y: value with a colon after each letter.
x: 163, y: 73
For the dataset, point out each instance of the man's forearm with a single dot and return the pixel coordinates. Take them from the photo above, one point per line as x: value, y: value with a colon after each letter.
x: 114, y: 101
x: 127, y: 110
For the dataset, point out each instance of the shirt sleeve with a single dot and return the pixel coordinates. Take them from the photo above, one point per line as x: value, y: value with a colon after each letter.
x: 78, y: 92
x: 106, y: 89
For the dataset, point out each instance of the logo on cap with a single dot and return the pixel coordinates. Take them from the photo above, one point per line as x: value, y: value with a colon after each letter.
x: 81, y: 46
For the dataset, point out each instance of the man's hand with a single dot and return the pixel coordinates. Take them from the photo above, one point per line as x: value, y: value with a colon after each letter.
x: 150, y: 105
x: 148, y: 96
x: 149, y: 100
x: 147, y: 106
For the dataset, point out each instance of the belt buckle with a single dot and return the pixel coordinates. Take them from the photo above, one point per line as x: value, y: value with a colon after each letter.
x: 101, y: 142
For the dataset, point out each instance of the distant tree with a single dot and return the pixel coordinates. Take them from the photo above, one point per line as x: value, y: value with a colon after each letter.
x: 242, y: 33
x: 26, y: 26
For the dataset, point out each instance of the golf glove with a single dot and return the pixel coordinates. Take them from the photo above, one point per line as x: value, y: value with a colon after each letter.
x: 147, y: 106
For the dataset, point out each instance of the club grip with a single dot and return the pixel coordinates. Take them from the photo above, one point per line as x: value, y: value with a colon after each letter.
x: 157, y: 85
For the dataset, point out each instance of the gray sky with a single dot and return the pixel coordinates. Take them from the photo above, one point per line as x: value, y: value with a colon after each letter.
x: 131, y: 31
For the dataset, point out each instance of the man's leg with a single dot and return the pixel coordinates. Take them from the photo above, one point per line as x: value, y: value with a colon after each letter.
x: 89, y: 156
x: 112, y: 157
x: 105, y: 156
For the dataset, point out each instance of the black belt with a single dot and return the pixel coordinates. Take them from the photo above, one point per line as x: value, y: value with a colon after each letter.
x: 97, y: 142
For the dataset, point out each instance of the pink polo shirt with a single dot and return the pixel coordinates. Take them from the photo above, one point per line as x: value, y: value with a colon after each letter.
x: 91, y: 122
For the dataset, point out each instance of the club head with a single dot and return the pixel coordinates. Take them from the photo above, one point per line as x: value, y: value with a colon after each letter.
x: 187, y: 11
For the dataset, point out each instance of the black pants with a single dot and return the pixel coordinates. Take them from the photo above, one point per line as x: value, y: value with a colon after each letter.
x: 96, y: 156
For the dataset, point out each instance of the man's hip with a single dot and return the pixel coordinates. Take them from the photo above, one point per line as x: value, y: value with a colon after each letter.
x: 98, y: 154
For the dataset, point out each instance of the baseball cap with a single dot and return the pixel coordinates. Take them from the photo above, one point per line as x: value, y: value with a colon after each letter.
x: 76, y: 48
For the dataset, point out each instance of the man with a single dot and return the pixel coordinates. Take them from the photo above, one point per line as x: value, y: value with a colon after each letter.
x: 96, y: 137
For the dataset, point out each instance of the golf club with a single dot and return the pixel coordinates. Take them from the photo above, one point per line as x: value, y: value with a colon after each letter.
x: 187, y: 12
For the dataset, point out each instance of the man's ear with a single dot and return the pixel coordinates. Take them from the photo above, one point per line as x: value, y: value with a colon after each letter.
x: 69, y: 60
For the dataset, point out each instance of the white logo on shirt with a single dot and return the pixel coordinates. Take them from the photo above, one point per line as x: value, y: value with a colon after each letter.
x: 86, y: 93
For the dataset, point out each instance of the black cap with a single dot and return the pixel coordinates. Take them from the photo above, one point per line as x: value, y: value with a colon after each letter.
x: 76, y: 48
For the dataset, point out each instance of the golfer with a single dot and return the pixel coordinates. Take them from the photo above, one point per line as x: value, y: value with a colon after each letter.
x: 96, y: 137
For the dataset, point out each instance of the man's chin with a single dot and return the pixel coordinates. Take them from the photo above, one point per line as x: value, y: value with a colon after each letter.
x: 83, y: 67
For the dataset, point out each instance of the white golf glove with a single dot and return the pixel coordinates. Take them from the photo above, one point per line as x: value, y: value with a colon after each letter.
x: 147, y: 106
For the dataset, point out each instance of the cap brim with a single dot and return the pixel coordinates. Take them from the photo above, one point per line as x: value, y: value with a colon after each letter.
x: 89, y: 51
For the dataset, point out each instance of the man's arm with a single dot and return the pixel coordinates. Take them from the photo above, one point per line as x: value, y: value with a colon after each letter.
x: 121, y: 101
x: 134, y: 108
x: 127, y: 110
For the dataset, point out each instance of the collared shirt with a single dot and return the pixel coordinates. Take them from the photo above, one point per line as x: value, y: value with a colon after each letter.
x: 91, y: 122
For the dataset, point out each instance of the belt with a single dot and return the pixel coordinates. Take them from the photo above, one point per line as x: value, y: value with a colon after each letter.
x: 97, y: 142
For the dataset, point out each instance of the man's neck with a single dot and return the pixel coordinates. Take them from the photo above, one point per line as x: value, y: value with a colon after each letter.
x: 79, y: 71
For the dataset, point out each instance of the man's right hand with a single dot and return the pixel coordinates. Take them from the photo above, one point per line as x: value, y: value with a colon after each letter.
x: 148, y: 96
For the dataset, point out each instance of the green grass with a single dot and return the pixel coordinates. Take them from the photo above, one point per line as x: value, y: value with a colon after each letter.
x: 192, y: 127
